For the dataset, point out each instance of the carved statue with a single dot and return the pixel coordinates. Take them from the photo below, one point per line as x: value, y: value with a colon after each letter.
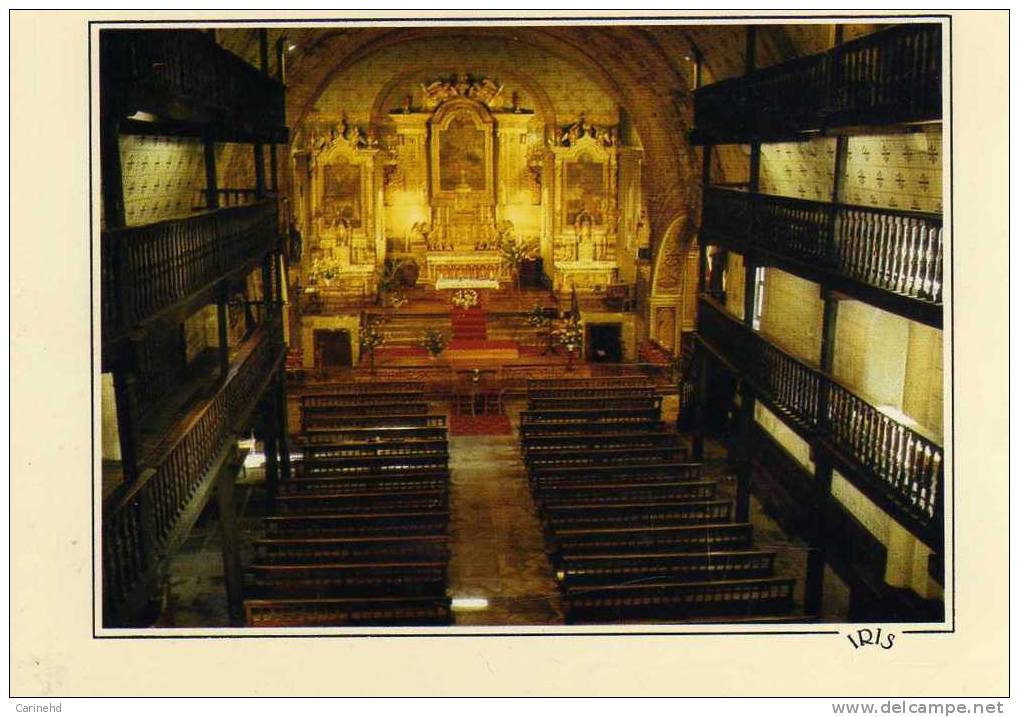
x: 571, y: 134
x: 438, y: 91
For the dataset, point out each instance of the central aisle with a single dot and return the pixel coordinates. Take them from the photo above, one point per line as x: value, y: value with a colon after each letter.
x: 496, y: 542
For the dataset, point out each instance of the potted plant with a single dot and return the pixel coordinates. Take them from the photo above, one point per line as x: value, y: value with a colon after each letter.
x: 514, y: 253
x: 539, y: 319
x: 390, y: 278
x: 434, y: 342
x: 371, y: 339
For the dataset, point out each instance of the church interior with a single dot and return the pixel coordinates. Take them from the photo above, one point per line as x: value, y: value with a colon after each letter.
x: 504, y: 325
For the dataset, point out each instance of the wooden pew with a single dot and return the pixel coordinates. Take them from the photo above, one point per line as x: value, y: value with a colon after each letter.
x: 538, y: 384
x: 327, y: 451
x: 605, y: 456
x: 353, y: 524
x: 680, y: 600
x: 536, y: 430
x: 358, y: 387
x: 316, y: 414
x: 563, y: 516
x: 648, y: 439
x: 606, y: 415
x: 605, y: 570
x: 572, y: 393
x: 653, y: 403
x: 323, y: 401
x: 370, y: 465
x: 326, y: 424
x: 348, y: 612
x: 433, y: 480
x: 364, y: 502
x: 627, y: 492
x: 373, y: 548
x: 367, y: 579
x: 668, y: 539
x: 375, y: 434
x: 673, y: 470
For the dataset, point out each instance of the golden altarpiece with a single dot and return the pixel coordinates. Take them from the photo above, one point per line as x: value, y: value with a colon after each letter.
x: 452, y: 174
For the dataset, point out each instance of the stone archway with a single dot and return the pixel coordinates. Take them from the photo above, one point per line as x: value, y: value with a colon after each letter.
x: 672, y: 302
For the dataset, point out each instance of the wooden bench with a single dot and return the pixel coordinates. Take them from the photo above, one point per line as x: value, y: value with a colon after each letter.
x: 361, y: 483
x: 324, y: 401
x: 669, y: 539
x: 607, y: 415
x: 628, y: 492
x: 594, y: 404
x: 563, y: 516
x: 376, y: 387
x: 368, y: 579
x: 680, y: 600
x: 374, y: 548
x: 684, y: 470
x: 538, y: 384
x: 375, y: 434
x: 535, y: 430
x: 361, y: 465
x: 364, y: 502
x: 318, y: 452
x: 648, y: 439
x: 315, y: 415
x: 603, y: 570
x: 591, y: 392
x: 326, y: 424
x: 352, y: 524
x: 348, y: 612
x: 604, y: 456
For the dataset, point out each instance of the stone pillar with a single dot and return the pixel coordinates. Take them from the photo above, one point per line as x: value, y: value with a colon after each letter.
x: 629, y: 212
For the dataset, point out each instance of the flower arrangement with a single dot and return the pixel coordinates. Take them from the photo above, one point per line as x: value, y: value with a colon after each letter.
x: 571, y: 336
x: 465, y: 298
x: 372, y: 338
x: 325, y: 270
x: 537, y: 317
x: 434, y: 342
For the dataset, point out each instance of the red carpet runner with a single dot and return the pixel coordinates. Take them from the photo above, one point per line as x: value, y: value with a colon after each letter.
x: 467, y: 425
x: 469, y: 324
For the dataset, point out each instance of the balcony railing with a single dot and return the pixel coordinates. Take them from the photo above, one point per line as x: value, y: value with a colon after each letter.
x: 149, y: 268
x: 902, y: 471
x: 889, y: 77
x: 890, y: 250
x: 184, y: 76
x: 139, y: 520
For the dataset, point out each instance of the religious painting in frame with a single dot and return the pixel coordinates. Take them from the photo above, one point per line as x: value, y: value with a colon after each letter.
x: 461, y: 153
x: 585, y: 191
x: 341, y: 193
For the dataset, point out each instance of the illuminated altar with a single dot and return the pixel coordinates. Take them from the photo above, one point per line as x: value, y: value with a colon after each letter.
x: 453, y: 169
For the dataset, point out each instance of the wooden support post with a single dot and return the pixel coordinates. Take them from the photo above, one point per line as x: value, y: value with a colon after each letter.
x: 111, y: 173
x: 224, y: 339
x: 751, y: 50
x: 259, y: 158
x: 272, y: 475
x: 744, y: 465
x: 817, y: 557
x: 749, y: 290
x: 702, y: 256
x: 230, y: 538
x: 211, y: 182
x: 283, y: 427
x: 125, y: 395
x: 700, y: 402
x: 267, y: 287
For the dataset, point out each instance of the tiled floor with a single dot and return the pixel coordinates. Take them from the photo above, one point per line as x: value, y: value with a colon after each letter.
x: 497, y: 546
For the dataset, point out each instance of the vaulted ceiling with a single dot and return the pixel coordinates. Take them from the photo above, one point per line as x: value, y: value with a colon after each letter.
x: 647, y: 69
